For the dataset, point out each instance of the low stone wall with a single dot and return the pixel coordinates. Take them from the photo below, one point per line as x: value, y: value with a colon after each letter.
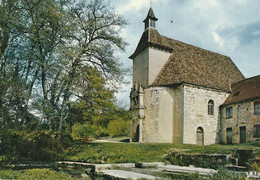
x: 198, y: 160
x: 242, y: 157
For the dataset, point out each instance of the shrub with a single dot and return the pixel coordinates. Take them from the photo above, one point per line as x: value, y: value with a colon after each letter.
x: 33, y: 174
x: 81, y: 130
x: 118, y: 128
x: 37, y: 145
x: 229, y: 175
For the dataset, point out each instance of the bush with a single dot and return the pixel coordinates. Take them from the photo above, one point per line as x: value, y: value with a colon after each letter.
x: 37, y: 145
x: 81, y: 130
x: 33, y: 174
x: 118, y: 128
x: 229, y: 175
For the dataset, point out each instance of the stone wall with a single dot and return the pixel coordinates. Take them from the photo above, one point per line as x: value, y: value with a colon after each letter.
x: 147, y: 65
x: 196, y: 113
x: 140, y: 68
x: 157, y: 124
x: 178, y: 110
x: 157, y: 59
x: 198, y: 160
x: 243, y: 115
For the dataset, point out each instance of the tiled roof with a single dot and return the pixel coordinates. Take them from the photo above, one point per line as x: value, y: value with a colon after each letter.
x: 151, y: 38
x: 244, y: 90
x: 190, y: 64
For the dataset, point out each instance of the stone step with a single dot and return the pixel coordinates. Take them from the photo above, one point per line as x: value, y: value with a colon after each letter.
x: 120, y: 174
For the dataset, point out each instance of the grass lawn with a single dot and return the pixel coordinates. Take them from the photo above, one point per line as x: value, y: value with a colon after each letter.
x: 33, y: 174
x: 95, y: 152
x: 136, y: 152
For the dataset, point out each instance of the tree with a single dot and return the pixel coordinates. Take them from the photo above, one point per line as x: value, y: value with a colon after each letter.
x: 46, y: 45
x: 93, y: 44
x: 96, y: 108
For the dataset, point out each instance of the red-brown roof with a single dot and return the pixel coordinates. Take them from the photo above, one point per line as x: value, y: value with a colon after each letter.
x: 190, y: 64
x: 247, y: 89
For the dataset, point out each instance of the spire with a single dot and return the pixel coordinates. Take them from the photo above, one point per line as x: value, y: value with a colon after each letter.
x: 150, y: 20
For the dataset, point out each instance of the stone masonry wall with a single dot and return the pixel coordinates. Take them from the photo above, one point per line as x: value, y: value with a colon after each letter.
x: 196, y: 113
x: 178, y: 114
x: 147, y: 65
x: 157, y: 124
x: 243, y: 115
x: 157, y: 59
x: 140, y: 68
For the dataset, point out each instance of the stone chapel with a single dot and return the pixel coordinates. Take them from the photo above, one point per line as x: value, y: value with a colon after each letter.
x: 178, y: 90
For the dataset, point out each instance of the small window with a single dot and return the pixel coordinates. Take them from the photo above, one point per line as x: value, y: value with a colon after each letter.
x: 257, y: 107
x: 257, y: 131
x: 229, y: 112
x: 211, y: 107
x: 152, y: 23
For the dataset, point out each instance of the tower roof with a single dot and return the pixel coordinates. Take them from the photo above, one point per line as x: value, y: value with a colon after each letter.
x: 150, y: 15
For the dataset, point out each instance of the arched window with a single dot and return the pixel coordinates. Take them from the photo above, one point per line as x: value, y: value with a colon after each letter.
x: 211, y: 107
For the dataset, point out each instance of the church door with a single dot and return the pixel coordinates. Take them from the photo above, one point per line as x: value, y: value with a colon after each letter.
x: 200, y: 136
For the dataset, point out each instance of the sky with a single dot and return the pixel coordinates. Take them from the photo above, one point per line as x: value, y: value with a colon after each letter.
x: 228, y: 27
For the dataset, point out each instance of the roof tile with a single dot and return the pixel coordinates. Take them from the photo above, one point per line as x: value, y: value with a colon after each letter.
x: 247, y: 89
x: 190, y: 64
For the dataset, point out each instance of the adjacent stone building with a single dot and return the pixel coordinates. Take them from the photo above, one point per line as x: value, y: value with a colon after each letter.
x: 240, y: 113
x: 178, y: 89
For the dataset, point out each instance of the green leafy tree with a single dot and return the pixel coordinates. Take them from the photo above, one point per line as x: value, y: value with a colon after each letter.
x: 96, y: 106
x: 45, y: 45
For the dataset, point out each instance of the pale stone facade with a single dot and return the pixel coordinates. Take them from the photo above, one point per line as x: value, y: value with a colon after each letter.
x: 173, y: 114
x: 178, y: 90
x: 147, y: 65
x: 196, y: 113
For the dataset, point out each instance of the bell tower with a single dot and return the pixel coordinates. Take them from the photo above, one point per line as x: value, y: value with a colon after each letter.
x: 150, y: 20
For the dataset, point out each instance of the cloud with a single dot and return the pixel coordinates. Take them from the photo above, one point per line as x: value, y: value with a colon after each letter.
x: 133, y: 5
x: 136, y: 5
x: 218, y: 39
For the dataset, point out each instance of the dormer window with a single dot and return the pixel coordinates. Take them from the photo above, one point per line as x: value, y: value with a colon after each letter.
x: 237, y: 93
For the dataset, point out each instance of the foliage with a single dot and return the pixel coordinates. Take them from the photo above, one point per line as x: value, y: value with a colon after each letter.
x: 96, y: 108
x: 229, y: 175
x: 118, y: 128
x: 50, y: 51
x: 85, y: 130
x: 33, y: 174
x: 37, y: 145
x: 255, y: 167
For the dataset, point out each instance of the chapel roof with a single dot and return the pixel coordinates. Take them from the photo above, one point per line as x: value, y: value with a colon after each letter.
x: 190, y: 64
x: 247, y: 89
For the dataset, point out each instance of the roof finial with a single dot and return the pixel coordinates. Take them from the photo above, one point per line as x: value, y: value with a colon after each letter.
x: 151, y: 2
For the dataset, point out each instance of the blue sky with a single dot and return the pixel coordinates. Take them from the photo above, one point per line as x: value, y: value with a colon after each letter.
x: 229, y: 27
